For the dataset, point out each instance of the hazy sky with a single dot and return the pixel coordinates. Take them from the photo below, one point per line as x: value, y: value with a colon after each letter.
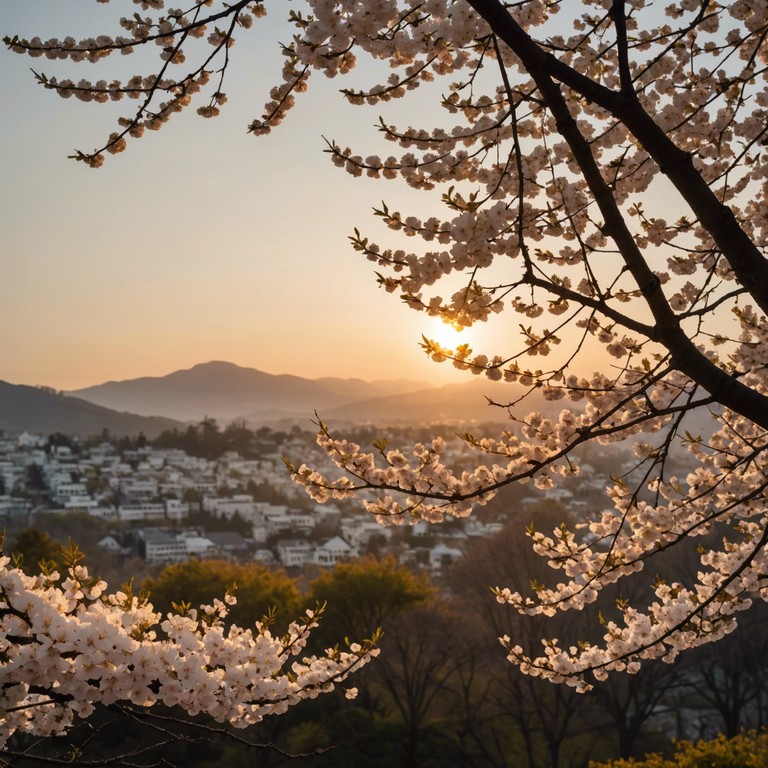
x: 200, y: 242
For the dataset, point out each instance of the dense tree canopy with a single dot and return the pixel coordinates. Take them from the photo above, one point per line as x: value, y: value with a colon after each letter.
x: 603, y: 172
x: 259, y: 590
x: 362, y: 595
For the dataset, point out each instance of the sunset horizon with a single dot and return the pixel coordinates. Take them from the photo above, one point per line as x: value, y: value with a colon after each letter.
x: 112, y: 276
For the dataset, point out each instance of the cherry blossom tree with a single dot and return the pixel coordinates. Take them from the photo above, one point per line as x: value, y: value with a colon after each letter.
x: 602, y: 166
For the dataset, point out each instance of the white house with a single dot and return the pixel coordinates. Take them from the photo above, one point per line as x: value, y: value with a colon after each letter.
x: 80, y: 504
x: 283, y: 520
x: 163, y: 547
x: 176, y: 510
x: 141, y: 511
x: 28, y: 440
x: 103, y: 513
x: 334, y: 551
x: 197, y: 546
x: 241, y: 503
x: 294, y: 552
x: 65, y: 491
x: 145, y: 487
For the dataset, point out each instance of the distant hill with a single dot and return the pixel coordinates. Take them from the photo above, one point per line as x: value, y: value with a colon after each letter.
x: 227, y: 391
x: 31, y: 409
x: 460, y: 403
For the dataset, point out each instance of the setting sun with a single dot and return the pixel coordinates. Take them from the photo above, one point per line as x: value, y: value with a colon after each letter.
x: 447, y: 335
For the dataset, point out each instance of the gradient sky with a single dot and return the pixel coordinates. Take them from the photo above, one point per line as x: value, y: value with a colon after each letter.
x: 200, y: 242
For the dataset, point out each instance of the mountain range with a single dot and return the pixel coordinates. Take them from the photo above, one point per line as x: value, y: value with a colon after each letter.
x: 226, y: 391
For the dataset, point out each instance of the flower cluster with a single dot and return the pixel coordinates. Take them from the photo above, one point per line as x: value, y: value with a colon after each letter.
x: 725, y: 492
x: 67, y: 644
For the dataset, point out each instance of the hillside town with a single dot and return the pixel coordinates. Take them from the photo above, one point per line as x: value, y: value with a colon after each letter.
x: 167, y: 506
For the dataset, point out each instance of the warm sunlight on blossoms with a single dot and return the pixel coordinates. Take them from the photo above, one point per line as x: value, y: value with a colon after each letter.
x: 68, y: 644
x: 545, y: 162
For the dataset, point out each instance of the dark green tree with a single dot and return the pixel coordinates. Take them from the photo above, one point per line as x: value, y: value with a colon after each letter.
x: 258, y: 590
x: 362, y: 595
x: 35, y: 546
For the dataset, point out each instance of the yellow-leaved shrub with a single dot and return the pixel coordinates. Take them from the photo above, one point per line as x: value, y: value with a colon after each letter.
x: 748, y: 750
